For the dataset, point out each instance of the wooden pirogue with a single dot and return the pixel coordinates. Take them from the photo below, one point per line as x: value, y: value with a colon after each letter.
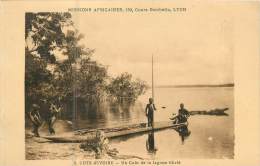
x: 85, y: 134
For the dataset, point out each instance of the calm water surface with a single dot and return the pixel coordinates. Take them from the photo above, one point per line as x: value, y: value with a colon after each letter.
x: 206, y: 136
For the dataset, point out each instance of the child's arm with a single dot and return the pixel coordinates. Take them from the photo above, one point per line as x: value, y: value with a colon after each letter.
x: 146, y: 108
x: 154, y: 107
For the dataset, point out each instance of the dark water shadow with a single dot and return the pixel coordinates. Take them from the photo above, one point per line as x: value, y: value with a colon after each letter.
x: 150, y: 143
x: 184, y: 132
x: 134, y: 135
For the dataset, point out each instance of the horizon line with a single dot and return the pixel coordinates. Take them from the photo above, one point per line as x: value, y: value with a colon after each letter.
x: 195, y: 85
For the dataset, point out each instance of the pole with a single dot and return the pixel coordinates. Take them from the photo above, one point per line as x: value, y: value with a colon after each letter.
x: 152, y: 81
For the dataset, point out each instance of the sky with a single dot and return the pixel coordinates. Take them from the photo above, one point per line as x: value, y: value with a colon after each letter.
x: 188, y: 48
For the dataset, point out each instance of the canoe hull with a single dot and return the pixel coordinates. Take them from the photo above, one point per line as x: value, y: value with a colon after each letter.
x: 114, y: 134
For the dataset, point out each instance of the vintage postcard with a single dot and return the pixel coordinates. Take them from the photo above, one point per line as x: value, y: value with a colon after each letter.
x: 130, y: 83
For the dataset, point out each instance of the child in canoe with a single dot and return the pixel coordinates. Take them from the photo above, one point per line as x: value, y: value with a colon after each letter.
x: 182, y: 116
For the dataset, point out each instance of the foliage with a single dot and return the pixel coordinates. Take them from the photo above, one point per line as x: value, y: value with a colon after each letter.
x: 44, y: 30
x: 123, y: 87
x: 92, y: 78
x: 53, y: 55
x: 58, y: 69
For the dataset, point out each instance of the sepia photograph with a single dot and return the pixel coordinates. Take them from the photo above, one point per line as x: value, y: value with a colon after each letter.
x: 145, y: 86
x: 150, y: 83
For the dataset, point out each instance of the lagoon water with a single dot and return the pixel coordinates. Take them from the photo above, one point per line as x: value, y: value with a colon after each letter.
x: 207, y: 137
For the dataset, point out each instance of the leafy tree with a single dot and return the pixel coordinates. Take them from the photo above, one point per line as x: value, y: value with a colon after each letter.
x: 123, y: 88
x: 50, y: 36
x: 44, y: 33
x: 92, y: 79
x: 58, y: 69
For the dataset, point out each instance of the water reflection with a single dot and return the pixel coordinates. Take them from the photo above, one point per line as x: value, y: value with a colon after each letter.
x: 178, y: 143
x: 107, y: 114
x: 184, y: 132
x: 150, y: 143
x: 123, y: 105
x: 120, y: 110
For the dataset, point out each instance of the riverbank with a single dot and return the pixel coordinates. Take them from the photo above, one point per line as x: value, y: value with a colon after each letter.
x: 38, y: 148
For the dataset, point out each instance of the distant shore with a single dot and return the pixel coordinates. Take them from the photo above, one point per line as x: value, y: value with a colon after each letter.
x: 196, y: 86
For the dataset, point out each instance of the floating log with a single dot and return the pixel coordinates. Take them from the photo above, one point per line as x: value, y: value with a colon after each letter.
x: 216, y: 111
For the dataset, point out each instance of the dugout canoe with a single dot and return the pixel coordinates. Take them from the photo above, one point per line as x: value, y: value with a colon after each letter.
x: 85, y: 134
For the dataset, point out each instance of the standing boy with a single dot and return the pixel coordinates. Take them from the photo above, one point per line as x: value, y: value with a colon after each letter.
x: 150, y: 108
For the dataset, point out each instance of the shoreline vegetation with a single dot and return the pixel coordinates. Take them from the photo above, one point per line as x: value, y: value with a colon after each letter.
x: 60, y: 69
x: 196, y: 86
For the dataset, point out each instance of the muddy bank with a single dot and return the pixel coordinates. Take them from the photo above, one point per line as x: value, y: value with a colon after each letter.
x: 37, y: 148
x: 42, y: 149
